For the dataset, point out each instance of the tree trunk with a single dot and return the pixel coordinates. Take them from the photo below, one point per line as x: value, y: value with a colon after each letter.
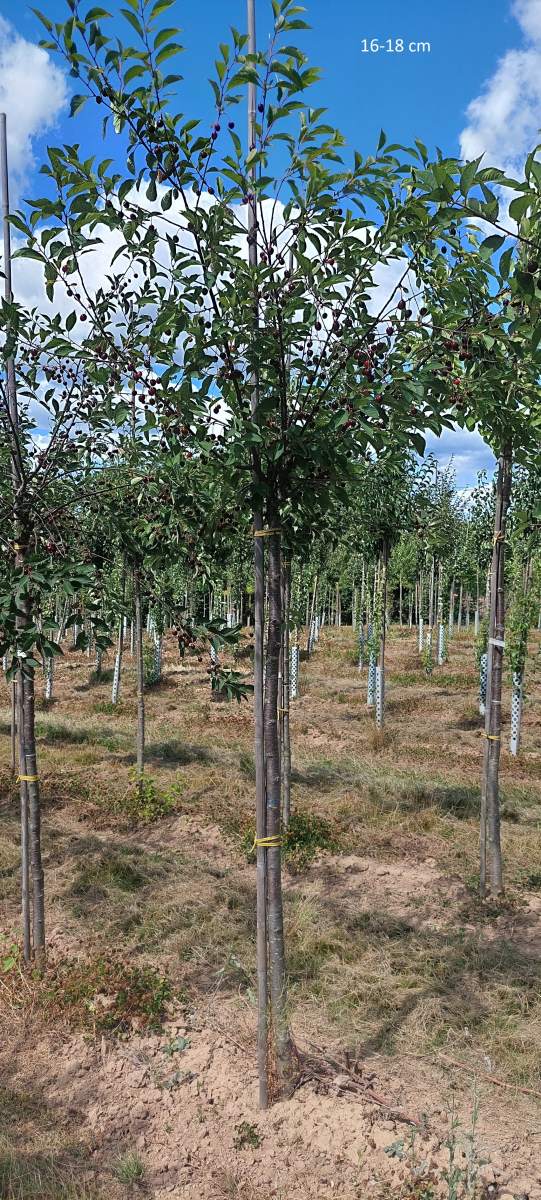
x: 25, y: 853
x: 139, y: 671
x: 13, y: 725
x: 20, y: 542
x: 380, y: 674
x: 283, y: 1066
x: 34, y: 819
x: 285, y: 729
x: 491, y: 854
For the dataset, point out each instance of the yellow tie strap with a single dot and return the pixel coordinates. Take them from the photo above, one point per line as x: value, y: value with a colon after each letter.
x: 283, y: 710
x: 266, y: 532
x: 498, y: 537
x: 27, y: 778
x: 272, y: 842
x: 493, y: 737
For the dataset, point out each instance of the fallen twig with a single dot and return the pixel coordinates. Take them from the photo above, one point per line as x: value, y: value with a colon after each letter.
x: 512, y: 1087
x: 347, y: 1080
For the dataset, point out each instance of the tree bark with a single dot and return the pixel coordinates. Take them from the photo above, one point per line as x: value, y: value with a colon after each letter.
x: 286, y: 738
x: 140, y: 677
x: 491, y: 854
x: 20, y: 541
x: 34, y: 819
x: 283, y: 1066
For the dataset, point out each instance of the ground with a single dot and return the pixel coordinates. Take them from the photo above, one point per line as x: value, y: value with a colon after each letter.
x: 128, y: 1070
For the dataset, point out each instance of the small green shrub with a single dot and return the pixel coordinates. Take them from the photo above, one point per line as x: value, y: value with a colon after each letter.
x: 143, y: 803
x: 306, y: 836
x: 247, y: 1136
x: 105, y: 994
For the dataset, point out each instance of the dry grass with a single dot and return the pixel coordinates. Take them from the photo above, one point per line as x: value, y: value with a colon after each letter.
x: 422, y: 969
x: 38, y: 1158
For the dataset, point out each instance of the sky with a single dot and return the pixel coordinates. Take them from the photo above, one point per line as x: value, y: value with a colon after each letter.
x: 468, y: 81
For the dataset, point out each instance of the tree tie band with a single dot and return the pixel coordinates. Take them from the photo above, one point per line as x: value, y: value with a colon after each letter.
x: 27, y: 778
x: 499, y: 537
x: 493, y: 737
x: 266, y: 532
x: 272, y: 842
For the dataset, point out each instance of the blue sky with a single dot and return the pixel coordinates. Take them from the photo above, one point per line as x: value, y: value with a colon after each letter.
x: 477, y: 89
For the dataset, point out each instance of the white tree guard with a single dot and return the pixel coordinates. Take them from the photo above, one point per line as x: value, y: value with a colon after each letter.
x: 421, y: 634
x: 97, y: 661
x: 312, y: 637
x: 361, y: 646
x: 213, y: 656
x: 380, y: 697
x: 75, y: 635
x: 116, y: 681
x: 517, y: 701
x: 483, y: 668
x: 294, y: 673
x: 316, y: 629
x: 4, y: 663
x: 48, y: 669
x: 371, y: 688
x: 442, y: 648
x: 157, y: 674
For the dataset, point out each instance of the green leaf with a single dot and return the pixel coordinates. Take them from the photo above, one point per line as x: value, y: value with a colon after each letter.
x: 468, y: 175
x: 77, y: 102
x: 518, y: 207
x: 96, y: 14
x: 133, y: 20
x: 493, y: 242
x: 159, y: 7
x: 168, y: 52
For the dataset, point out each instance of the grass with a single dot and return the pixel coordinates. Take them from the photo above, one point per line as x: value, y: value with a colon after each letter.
x: 129, y: 1169
x: 102, y: 994
x: 174, y: 892
x: 36, y: 1163
x: 31, y: 1176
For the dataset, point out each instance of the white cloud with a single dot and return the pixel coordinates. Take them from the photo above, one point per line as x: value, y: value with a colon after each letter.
x: 467, y: 452
x: 33, y: 92
x: 504, y: 120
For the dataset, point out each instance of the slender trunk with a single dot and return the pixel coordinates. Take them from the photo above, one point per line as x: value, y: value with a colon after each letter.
x: 13, y: 724
x: 312, y: 619
x: 20, y: 542
x: 284, y: 1064
x: 380, y: 675
x: 25, y: 854
x: 400, y: 603
x: 491, y: 854
x: 139, y: 671
x: 34, y: 819
x: 286, y: 733
x: 259, y: 630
